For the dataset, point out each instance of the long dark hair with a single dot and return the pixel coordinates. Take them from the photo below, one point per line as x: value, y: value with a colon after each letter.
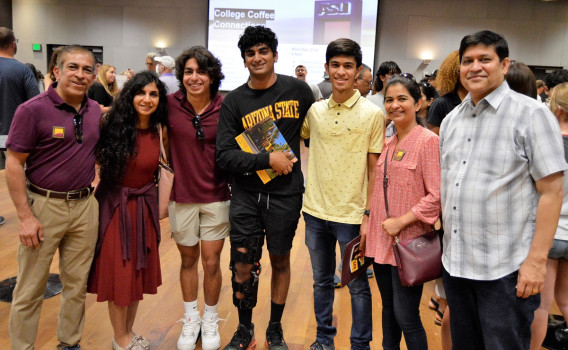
x: 118, y: 129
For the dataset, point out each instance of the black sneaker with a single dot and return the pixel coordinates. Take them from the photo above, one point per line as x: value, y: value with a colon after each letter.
x: 319, y: 346
x: 2, y: 220
x: 74, y: 347
x: 275, y: 337
x: 243, y: 339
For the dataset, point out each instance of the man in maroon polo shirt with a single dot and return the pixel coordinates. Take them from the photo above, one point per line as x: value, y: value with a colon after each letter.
x: 49, y: 170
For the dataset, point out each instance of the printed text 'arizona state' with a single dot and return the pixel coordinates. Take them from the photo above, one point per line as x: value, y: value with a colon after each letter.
x: 282, y: 109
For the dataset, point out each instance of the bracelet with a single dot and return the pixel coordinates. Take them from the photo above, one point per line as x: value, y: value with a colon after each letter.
x: 367, y: 212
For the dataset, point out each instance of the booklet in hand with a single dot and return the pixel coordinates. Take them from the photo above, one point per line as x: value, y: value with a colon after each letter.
x: 354, y: 263
x: 264, y: 137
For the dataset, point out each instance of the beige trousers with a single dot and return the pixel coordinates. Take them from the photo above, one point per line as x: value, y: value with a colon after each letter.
x: 71, y: 227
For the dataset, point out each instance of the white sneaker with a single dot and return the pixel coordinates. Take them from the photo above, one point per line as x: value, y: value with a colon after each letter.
x: 190, y: 332
x: 210, y: 339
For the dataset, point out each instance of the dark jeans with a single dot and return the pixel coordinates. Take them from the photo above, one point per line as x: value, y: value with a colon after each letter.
x: 488, y: 314
x: 321, y: 238
x: 401, y: 313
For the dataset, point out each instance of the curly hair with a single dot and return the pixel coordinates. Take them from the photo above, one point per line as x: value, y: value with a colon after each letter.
x: 448, y: 74
x: 205, y: 61
x: 112, y: 88
x: 117, y: 142
x: 257, y: 35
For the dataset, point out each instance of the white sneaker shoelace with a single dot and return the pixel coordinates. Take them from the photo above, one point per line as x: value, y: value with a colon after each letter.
x: 209, y: 327
x: 190, y: 328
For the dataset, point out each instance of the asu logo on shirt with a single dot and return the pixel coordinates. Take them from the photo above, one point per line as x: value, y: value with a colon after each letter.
x: 281, y: 109
x: 58, y: 132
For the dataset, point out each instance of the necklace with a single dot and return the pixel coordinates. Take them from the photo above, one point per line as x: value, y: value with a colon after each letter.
x: 203, y: 109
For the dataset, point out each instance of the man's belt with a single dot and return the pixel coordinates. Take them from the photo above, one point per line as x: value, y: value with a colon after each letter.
x: 69, y: 196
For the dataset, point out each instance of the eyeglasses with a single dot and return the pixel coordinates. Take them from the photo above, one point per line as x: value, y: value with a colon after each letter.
x: 404, y: 75
x: 199, y: 133
x: 78, y: 124
x: 368, y: 82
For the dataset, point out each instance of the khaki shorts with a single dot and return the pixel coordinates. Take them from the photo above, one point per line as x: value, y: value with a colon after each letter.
x: 191, y: 222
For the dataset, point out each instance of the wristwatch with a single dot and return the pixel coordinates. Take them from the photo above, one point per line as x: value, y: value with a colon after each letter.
x: 367, y: 212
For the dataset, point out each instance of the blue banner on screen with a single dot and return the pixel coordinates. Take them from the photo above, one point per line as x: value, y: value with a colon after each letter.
x: 303, y: 27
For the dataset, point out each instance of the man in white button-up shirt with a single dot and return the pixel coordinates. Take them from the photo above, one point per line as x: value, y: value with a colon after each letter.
x: 502, y: 164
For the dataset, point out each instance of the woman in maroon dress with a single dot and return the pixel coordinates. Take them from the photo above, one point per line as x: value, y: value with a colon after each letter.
x: 127, y: 263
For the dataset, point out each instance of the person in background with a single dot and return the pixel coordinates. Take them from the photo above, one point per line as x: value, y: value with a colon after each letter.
x: 301, y: 72
x: 432, y: 78
x: 385, y: 71
x: 451, y: 93
x: 105, y: 88
x: 36, y: 75
x: 199, y: 207
x: 413, y: 169
x: 127, y: 261
x: 325, y: 86
x: 429, y: 94
x: 364, y: 81
x: 556, y: 77
x: 164, y: 67
x: 556, y: 278
x: 540, y: 87
x: 521, y: 79
x: 150, y: 62
x: 98, y: 66
x: 49, y: 76
x: 17, y: 85
x: 128, y: 73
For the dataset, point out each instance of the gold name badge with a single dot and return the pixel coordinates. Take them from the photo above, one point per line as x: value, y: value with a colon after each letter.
x: 399, y: 155
x: 58, y: 132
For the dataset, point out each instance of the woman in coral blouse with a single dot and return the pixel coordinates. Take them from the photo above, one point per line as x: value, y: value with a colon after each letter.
x: 413, y: 170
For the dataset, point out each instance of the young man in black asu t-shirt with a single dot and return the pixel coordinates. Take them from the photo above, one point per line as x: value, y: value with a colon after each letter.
x: 257, y: 209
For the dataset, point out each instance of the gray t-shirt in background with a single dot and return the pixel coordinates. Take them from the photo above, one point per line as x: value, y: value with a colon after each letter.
x: 17, y: 85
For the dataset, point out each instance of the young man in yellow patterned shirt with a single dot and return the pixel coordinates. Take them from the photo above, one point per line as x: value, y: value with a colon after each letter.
x: 347, y: 134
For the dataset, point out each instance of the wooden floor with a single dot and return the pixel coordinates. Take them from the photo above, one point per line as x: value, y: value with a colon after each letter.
x: 158, y: 314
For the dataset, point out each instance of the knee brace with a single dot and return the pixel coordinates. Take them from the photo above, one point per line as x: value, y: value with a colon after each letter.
x: 248, y: 288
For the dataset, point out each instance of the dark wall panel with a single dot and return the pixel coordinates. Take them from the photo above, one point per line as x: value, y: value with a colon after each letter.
x: 6, y: 13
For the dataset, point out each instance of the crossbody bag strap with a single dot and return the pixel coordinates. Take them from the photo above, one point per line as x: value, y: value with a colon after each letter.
x: 386, y: 183
x: 163, y: 156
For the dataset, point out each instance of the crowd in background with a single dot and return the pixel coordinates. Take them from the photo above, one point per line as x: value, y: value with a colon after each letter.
x: 396, y: 173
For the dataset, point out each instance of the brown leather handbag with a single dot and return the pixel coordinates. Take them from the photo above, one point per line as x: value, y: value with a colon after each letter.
x: 419, y: 259
x: 165, y: 181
